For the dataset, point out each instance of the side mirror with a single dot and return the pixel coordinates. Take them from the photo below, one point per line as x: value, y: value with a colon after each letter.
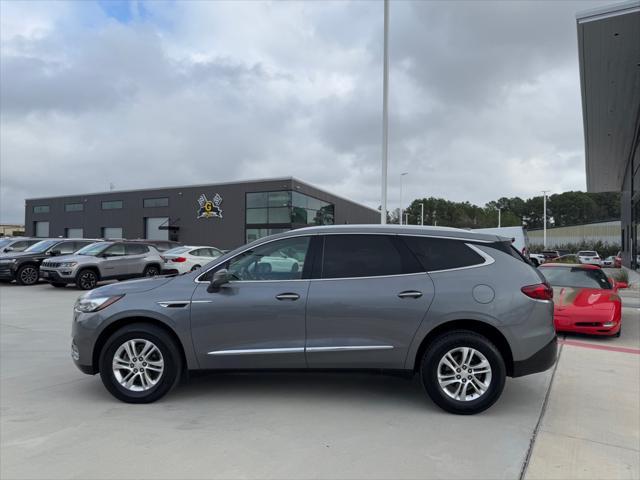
x: 54, y: 252
x: 220, y: 278
x: 8, y: 249
x: 620, y: 285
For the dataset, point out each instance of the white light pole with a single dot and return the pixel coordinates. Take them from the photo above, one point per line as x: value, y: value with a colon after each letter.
x: 401, y: 209
x: 544, y: 218
x: 422, y: 214
x: 385, y: 115
x: 499, y: 217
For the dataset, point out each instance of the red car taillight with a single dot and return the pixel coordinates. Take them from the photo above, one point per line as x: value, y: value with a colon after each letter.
x: 179, y: 259
x: 539, y: 291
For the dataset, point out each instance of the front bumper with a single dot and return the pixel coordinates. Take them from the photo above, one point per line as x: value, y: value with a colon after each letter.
x: 540, y: 361
x: 7, y: 272
x: 54, y: 276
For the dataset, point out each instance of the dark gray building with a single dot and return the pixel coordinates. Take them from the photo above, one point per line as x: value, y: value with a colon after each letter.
x: 224, y: 215
x: 609, y: 55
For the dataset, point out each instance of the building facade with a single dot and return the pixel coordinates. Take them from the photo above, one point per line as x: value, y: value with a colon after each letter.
x: 224, y: 215
x: 605, y: 232
x: 609, y: 57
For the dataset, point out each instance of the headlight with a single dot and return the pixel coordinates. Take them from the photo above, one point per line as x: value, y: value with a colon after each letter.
x: 95, y: 304
x: 68, y: 264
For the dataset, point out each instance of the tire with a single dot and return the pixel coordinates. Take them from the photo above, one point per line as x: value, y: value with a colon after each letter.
x: 86, y: 279
x: 195, y: 267
x: 617, y: 335
x: 27, y: 275
x: 535, y: 262
x: 151, y: 271
x: 147, y: 386
x: 483, y: 351
x: 58, y: 284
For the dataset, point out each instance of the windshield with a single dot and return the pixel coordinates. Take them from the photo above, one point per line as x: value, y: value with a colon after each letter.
x: 94, y: 249
x: 576, y: 277
x: 5, y: 242
x: 176, y: 251
x: 41, y: 246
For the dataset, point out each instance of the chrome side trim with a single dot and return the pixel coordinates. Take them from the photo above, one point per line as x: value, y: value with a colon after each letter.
x: 339, y: 348
x: 366, y: 278
x: 342, y: 348
x: 251, y: 351
x: 488, y: 260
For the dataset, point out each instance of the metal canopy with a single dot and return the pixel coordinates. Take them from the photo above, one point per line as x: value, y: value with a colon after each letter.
x: 609, y: 55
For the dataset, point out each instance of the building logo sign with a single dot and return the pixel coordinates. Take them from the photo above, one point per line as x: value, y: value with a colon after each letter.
x: 209, y: 208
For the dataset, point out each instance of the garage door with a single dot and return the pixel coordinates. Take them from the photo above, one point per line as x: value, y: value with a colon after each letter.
x: 152, y: 228
x: 42, y: 229
x: 112, y: 232
x: 74, y: 233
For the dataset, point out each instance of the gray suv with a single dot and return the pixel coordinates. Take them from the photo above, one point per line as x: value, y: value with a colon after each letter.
x: 462, y: 310
x: 98, y: 261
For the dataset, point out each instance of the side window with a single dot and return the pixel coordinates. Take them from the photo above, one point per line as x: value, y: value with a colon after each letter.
x: 65, y: 248
x: 279, y: 260
x: 198, y: 252
x: 19, y: 246
x: 133, y: 249
x: 116, y: 250
x: 347, y: 256
x: 442, y: 253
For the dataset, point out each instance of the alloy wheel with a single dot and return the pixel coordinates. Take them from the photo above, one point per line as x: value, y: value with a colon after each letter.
x: 464, y: 374
x: 87, y: 280
x: 138, y: 365
x: 29, y: 275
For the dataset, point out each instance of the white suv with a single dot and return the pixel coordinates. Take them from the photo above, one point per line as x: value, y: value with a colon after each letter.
x: 589, y: 256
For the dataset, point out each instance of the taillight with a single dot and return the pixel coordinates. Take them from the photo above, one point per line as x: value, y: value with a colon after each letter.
x: 539, y: 291
x: 179, y: 259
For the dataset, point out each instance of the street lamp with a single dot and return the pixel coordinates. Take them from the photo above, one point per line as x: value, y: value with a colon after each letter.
x: 499, y: 216
x: 385, y: 115
x: 544, y: 218
x: 401, y: 209
x: 422, y: 213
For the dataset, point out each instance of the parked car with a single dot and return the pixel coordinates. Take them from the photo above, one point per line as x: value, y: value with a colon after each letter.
x: 24, y: 267
x: 536, y: 258
x: 585, y: 300
x: 160, y: 245
x: 461, y: 309
x: 9, y: 245
x: 550, y: 254
x: 589, y: 257
x: 188, y: 258
x: 610, y: 262
x: 117, y: 260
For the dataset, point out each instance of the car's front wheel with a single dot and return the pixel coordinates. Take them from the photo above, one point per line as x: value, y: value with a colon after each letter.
x: 87, y: 279
x: 27, y: 275
x: 140, y: 363
x: 463, y: 372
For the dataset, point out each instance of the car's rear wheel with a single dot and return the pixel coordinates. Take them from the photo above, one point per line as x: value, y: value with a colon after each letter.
x: 59, y: 284
x: 27, y: 275
x: 151, y: 271
x: 86, y: 279
x: 463, y: 372
x: 195, y: 267
x: 140, y: 363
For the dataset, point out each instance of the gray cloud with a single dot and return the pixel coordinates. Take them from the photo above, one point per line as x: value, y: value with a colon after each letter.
x: 484, y: 98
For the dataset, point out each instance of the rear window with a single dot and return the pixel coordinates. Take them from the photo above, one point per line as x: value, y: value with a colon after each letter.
x: 348, y: 256
x: 442, y: 253
x: 587, y: 253
x: 576, y: 277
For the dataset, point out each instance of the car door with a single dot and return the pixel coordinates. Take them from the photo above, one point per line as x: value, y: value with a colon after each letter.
x: 365, y: 305
x: 115, y: 263
x: 135, y: 255
x: 258, y: 319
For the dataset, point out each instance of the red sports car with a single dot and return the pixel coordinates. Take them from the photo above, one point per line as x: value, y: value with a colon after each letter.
x: 585, y: 300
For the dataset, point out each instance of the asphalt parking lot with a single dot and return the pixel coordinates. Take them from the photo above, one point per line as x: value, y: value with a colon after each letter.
x: 58, y: 423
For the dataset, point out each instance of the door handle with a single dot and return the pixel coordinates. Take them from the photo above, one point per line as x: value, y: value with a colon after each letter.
x: 410, y: 294
x: 288, y: 296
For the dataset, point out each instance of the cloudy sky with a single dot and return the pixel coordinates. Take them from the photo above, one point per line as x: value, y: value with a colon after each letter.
x: 484, y: 97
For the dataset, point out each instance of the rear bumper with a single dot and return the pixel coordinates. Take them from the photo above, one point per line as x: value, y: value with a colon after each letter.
x: 540, y: 361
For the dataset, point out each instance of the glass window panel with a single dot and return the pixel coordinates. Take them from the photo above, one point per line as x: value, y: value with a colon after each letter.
x: 255, y: 233
x: 41, y: 209
x: 279, y: 199
x: 280, y: 215
x: 257, y: 200
x: 112, y: 205
x: 299, y: 200
x: 299, y: 215
x: 156, y: 202
x: 256, y: 215
x: 73, y: 207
